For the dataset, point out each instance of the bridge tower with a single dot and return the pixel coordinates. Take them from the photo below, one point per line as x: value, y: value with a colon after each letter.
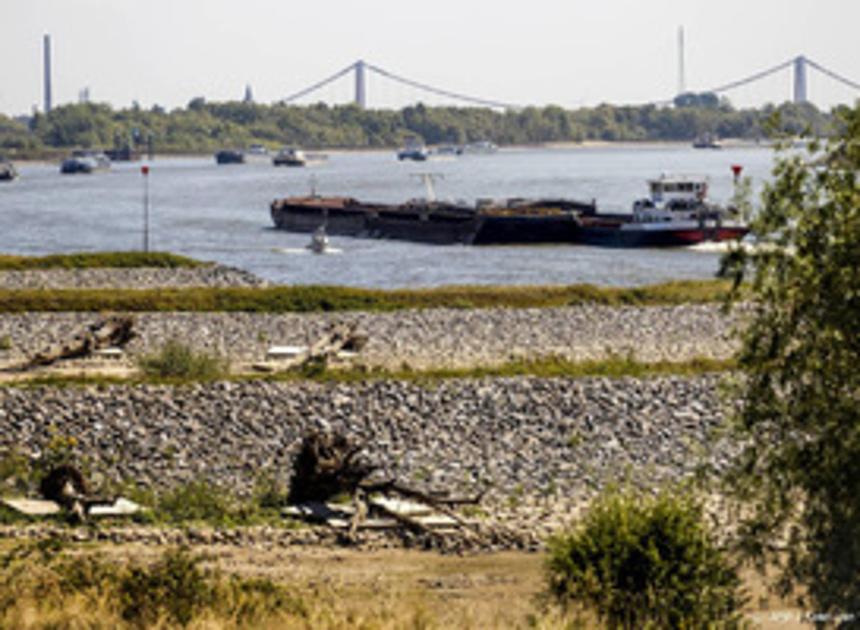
x: 360, y: 84
x: 800, y: 79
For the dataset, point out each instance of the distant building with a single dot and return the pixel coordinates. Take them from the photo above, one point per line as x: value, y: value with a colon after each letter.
x: 249, y: 95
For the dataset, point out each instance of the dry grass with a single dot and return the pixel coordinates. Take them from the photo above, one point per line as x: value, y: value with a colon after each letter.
x: 342, y: 588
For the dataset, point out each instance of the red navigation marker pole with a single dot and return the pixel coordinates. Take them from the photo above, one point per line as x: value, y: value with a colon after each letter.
x: 144, y: 170
x: 737, y: 169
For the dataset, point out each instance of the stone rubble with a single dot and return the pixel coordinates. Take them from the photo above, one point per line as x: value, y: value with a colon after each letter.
x: 420, y: 339
x: 136, y: 277
x: 540, y: 446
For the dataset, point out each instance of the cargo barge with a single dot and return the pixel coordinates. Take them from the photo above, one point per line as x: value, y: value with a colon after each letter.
x: 432, y: 221
x: 676, y: 214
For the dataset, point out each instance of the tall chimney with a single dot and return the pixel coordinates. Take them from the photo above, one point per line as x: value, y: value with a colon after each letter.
x: 682, y: 79
x: 47, y: 70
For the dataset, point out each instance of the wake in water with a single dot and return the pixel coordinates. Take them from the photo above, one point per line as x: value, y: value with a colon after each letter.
x: 713, y: 247
x: 293, y: 251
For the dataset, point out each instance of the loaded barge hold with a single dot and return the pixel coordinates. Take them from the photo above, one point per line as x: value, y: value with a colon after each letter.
x: 438, y: 222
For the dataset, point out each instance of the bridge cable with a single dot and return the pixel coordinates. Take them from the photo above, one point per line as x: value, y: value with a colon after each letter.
x: 754, y: 77
x: 833, y: 75
x: 321, y: 84
x: 438, y: 91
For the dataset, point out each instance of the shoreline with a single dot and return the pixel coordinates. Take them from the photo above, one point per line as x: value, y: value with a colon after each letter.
x: 586, y: 145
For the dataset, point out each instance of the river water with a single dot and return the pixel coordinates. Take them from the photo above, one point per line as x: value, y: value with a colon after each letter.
x: 221, y: 213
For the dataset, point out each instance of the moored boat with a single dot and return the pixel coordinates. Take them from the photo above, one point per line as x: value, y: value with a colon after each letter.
x: 229, y: 156
x: 480, y: 147
x: 706, y: 141
x: 413, y: 149
x: 290, y: 156
x: 677, y: 213
x: 7, y: 170
x: 85, y: 161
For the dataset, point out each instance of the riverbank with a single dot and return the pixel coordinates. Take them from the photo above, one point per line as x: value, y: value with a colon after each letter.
x: 422, y: 339
x: 539, y: 447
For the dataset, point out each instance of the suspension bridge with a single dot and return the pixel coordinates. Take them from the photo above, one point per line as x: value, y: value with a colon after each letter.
x: 360, y: 69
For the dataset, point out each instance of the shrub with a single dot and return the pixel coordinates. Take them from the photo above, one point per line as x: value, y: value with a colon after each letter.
x: 43, y: 586
x: 638, y: 562
x: 195, y: 502
x: 176, y: 586
x: 179, y: 361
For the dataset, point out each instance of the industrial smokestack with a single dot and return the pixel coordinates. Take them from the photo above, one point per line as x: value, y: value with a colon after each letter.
x: 47, y: 70
x: 682, y: 79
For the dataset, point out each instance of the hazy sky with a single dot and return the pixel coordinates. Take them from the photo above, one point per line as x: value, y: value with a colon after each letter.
x: 567, y: 52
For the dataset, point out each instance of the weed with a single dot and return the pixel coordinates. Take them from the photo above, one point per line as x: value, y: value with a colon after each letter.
x: 305, y: 299
x: 5, y: 343
x: 176, y: 360
x: 97, y: 260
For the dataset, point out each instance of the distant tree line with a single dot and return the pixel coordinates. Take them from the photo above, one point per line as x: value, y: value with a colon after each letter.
x: 203, y: 126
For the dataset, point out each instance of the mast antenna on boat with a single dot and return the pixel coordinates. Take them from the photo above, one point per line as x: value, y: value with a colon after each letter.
x: 429, y: 180
x: 313, y: 184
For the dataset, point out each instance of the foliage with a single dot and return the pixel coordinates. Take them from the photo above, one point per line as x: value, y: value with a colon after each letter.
x: 176, y: 360
x: 96, y: 260
x: 206, y: 127
x: 309, y: 298
x: 707, y: 100
x: 203, y: 503
x: 800, y: 414
x: 645, y: 562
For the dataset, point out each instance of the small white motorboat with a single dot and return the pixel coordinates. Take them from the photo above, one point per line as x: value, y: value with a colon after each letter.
x: 319, y: 241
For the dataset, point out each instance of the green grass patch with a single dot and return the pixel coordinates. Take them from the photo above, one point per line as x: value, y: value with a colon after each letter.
x: 201, y: 502
x: 548, y: 367
x: 85, y: 260
x: 179, y: 361
x: 307, y: 299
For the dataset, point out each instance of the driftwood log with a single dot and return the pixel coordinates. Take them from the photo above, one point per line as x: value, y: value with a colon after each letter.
x: 338, y: 338
x: 111, y: 332
x: 66, y: 486
x: 329, y: 464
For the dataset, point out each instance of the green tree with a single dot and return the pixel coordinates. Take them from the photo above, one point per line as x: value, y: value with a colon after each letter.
x: 645, y: 562
x: 800, y: 392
